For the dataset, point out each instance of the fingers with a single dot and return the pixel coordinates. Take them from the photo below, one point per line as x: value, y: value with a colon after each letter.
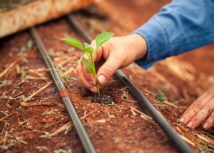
x: 84, y: 76
x: 81, y: 77
x: 201, y: 115
x: 87, y: 75
x: 200, y: 110
x: 209, y: 122
x: 195, y: 107
x: 108, y: 69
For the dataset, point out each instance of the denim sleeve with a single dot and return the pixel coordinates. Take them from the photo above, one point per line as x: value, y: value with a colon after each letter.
x: 180, y: 26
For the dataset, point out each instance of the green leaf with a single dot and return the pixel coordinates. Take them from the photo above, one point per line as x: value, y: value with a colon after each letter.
x: 30, y: 44
x: 86, y: 62
x: 92, y: 70
x: 211, y: 150
x: 89, y: 66
x: 73, y: 42
x: 103, y: 37
x: 88, y: 49
x: 86, y: 45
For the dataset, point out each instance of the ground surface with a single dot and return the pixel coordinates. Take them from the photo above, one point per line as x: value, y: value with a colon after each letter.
x: 29, y: 129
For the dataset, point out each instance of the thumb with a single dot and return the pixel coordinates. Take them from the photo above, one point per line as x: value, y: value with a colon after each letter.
x: 107, y: 69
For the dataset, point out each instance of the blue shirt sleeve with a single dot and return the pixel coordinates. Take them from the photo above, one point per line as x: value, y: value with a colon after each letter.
x: 180, y: 26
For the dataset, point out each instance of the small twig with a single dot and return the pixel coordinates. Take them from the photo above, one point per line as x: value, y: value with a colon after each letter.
x: 141, y: 113
x: 6, y: 116
x: 166, y: 102
x: 67, y: 72
x: 61, y: 129
x: 160, y: 105
x: 87, y: 115
x: 38, y: 91
x: 68, y: 125
x: 133, y: 112
x: 21, y: 123
x: 53, y: 123
x: 34, y: 78
x: 147, y: 91
x: 37, y: 73
x: 203, y: 138
x: 11, y: 65
x: 178, y: 129
x: 129, y: 100
x: 38, y: 70
x: 187, y: 140
x: 30, y: 104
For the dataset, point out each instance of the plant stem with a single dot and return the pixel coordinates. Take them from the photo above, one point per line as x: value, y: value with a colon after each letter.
x: 95, y: 76
x: 11, y: 3
x: 98, y: 90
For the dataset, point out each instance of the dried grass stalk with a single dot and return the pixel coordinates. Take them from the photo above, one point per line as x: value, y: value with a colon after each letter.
x: 30, y: 104
x: 6, y: 117
x: 187, y: 140
x: 38, y: 91
x: 148, y: 117
x: 11, y: 65
x: 67, y: 72
x: 63, y: 128
x: 168, y: 103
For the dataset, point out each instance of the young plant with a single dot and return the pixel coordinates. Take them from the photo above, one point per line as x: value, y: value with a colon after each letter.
x: 160, y: 96
x: 109, y: 115
x: 23, y: 73
x: 100, y: 39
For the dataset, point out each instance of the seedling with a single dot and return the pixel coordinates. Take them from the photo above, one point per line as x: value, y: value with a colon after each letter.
x: 29, y: 44
x: 205, y: 146
x: 22, y: 72
x: 126, y: 87
x: 44, y: 99
x: 90, y: 52
x: 109, y: 115
x: 160, y: 96
x: 126, y: 94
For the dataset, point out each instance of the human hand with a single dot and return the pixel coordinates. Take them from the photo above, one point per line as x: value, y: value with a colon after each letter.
x: 200, y: 110
x: 116, y: 53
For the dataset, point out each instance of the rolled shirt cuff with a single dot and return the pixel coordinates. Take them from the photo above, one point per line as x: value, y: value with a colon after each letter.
x: 157, y: 43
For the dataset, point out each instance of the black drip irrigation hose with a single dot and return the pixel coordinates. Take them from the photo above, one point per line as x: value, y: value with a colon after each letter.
x: 159, y: 119
x: 87, y: 144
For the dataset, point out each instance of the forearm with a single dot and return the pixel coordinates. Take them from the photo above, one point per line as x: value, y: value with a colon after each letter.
x: 179, y: 27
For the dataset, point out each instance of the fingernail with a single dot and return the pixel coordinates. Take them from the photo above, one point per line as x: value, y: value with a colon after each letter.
x: 189, y: 125
x: 182, y: 120
x: 205, y: 126
x: 101, y: 79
